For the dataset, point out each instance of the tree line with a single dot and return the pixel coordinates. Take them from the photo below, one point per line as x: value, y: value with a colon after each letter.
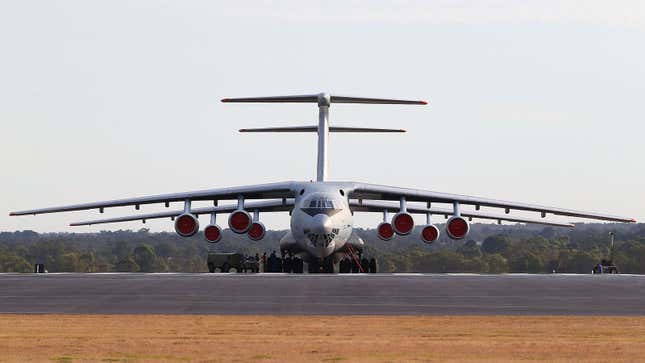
x: 488, y: 249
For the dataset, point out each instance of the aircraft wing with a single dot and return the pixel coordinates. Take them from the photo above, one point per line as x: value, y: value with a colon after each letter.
x: 260, y: 191
x: 381, y: 192
x: 380, y: 206
x: 261, y: 206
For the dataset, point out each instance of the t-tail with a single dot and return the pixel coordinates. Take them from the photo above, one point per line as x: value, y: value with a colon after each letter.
x: 324, y: 100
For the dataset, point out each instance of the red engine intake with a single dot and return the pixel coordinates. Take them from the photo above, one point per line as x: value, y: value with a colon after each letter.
x: 186, y: 225
x: 385, y: 231
x: 256, y: 231
x: 430, y: 233
x: 239, y: 221
x: 457, y: 227
x: 213, y: 233
x: 403, y: 223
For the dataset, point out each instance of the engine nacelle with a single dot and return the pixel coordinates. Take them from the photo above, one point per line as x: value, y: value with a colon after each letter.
x: 213, y: 233
x: 186, y: 225
x: 457, y: 227
x: 430, y: 233
x: 385, y: 231
x: 239, y: 221
x: 402, y: 223
x: 256, y: 231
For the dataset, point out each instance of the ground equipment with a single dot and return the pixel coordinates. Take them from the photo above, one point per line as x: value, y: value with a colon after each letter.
x: 607, y: 266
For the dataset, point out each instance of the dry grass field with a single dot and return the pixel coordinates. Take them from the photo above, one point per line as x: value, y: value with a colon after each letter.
x: 199, y: 338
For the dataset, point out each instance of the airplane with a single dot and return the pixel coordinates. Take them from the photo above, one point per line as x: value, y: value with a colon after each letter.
x: 321, y: 226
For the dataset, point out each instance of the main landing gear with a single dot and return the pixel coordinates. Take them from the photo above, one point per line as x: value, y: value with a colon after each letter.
x: 325, y: 265
x: 346, y: 265
x: 363, y: 265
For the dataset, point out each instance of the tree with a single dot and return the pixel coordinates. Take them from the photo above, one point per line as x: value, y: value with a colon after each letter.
x: 121, y: 250
x: 88, y: 262
x: 496, y: 244
x: 548, y: 232
x: 145, y: 257
x: 13, y: 263
x: 440, y: 262
x: 496, y: 263
x: 165, y: 249
x: 67, y: 262
x: 127, y: 265
x: 525, y: 261
x: 582, y: 262
x: 470, y: 249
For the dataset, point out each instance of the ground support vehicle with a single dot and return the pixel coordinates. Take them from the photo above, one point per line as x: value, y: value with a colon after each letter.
x: 224, y: 262
x: 607, y: 266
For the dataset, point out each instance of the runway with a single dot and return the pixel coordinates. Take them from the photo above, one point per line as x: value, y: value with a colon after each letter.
x: 381, y: 294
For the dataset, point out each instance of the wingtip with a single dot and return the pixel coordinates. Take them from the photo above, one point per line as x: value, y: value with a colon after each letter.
x: 225, y: 100
x: 423, y: 102
x: 633, y: 220
x: 11, y: 214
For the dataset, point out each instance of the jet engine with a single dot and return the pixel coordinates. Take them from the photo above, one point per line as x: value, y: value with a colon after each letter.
x: 385, y: 231
x: 457, y: 227
x: 256, y: 231
x: 403, y: 223
x: 430, y: 233
x: 186, y: 225
x: 239, y: 221
x: 213, y: 233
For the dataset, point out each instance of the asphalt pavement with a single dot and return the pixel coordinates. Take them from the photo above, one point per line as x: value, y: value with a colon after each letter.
x: 380, y: 294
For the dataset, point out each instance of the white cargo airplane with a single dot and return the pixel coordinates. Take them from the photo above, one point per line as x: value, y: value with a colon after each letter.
x: 321, y: 211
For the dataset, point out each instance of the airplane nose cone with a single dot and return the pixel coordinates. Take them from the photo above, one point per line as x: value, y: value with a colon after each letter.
x: 321, y: 224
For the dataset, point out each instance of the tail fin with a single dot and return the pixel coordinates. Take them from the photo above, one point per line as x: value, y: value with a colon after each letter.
x: 323, y: 129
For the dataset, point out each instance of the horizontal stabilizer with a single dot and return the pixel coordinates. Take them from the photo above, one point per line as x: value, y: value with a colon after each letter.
x: 345, y: 99
x: 361, y: 129
x: 315, y: 129
x: 275, y: 99
x: 324, y: 99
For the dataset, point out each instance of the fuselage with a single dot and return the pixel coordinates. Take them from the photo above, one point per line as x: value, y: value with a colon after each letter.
x: 321, y: 221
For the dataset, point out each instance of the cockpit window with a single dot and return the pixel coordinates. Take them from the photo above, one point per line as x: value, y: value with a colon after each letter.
x: 321, y: 203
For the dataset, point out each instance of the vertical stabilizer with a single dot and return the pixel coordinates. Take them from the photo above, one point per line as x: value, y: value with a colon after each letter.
x: 323, y: 142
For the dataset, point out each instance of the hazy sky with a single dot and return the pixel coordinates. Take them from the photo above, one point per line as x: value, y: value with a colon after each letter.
x: 531, y: 101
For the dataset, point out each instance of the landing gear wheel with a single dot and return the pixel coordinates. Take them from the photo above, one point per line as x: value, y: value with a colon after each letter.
x: 211, y: 268
x: 225, y: 268
x: 298, y: 265
x: 328, y: 265
x: 345, y: 266
x: 373, y: 268
x: 313, y: 266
